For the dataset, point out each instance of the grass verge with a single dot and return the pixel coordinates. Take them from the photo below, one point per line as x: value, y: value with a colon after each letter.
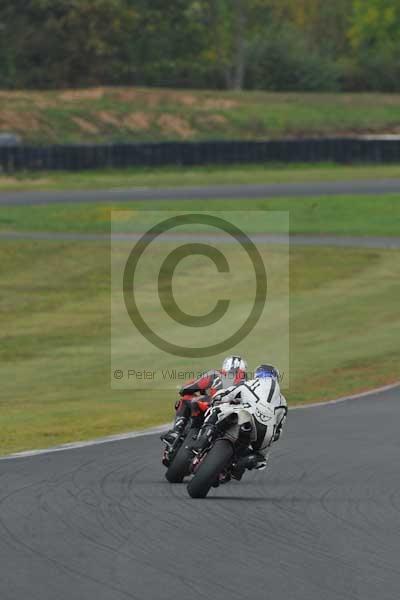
x: 55, y: 351
x: 342, y: 215
x: 193, y: 176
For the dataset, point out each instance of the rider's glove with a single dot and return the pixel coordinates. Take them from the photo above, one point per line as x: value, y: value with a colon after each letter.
x: 235, y: 401
x: 216, y: 401
x: 217, y: 397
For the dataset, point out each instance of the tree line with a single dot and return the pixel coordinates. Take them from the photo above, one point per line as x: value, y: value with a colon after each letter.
x: 279, y: 45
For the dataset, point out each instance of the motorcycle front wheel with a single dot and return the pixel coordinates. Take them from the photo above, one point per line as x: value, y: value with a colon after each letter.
x: 208, y: 472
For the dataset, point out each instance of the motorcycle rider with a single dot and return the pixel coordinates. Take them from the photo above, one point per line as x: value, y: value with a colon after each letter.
x: 203, y: 389
x: 265, y: 388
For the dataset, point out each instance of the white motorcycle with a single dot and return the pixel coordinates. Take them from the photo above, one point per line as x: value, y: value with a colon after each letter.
x: 221, y: 451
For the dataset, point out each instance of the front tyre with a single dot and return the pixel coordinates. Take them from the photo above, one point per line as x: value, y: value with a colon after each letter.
x: 180, y: 466
x: 218, y: 458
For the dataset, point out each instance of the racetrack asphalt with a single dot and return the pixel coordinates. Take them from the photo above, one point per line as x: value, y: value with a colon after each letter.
x: 322, y: 523
x: 272, y: 190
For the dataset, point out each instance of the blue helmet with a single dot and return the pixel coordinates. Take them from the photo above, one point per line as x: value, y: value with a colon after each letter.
x: 267, y: 371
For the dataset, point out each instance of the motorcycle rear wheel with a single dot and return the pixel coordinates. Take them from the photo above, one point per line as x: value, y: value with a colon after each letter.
x: 208, y: 472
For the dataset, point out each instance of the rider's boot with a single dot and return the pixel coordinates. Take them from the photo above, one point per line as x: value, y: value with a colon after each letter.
x: 257, y: 460
x: 253, y: 460
x: 172, y: 435
x: 260, y: 461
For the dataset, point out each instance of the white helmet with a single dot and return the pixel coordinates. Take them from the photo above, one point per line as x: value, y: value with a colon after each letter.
x: 234, y: 365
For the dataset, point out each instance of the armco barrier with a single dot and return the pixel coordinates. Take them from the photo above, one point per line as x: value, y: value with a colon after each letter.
x: 384, y: 149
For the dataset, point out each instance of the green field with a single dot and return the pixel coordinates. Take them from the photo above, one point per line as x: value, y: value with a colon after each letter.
x: 186, y: 176
x: 122, y: 114
x: 344, y: 215
x: 55, y: 317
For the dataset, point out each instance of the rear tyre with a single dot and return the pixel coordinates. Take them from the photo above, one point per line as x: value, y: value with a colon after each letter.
x: 179, y: 468
x: 208, y: 472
